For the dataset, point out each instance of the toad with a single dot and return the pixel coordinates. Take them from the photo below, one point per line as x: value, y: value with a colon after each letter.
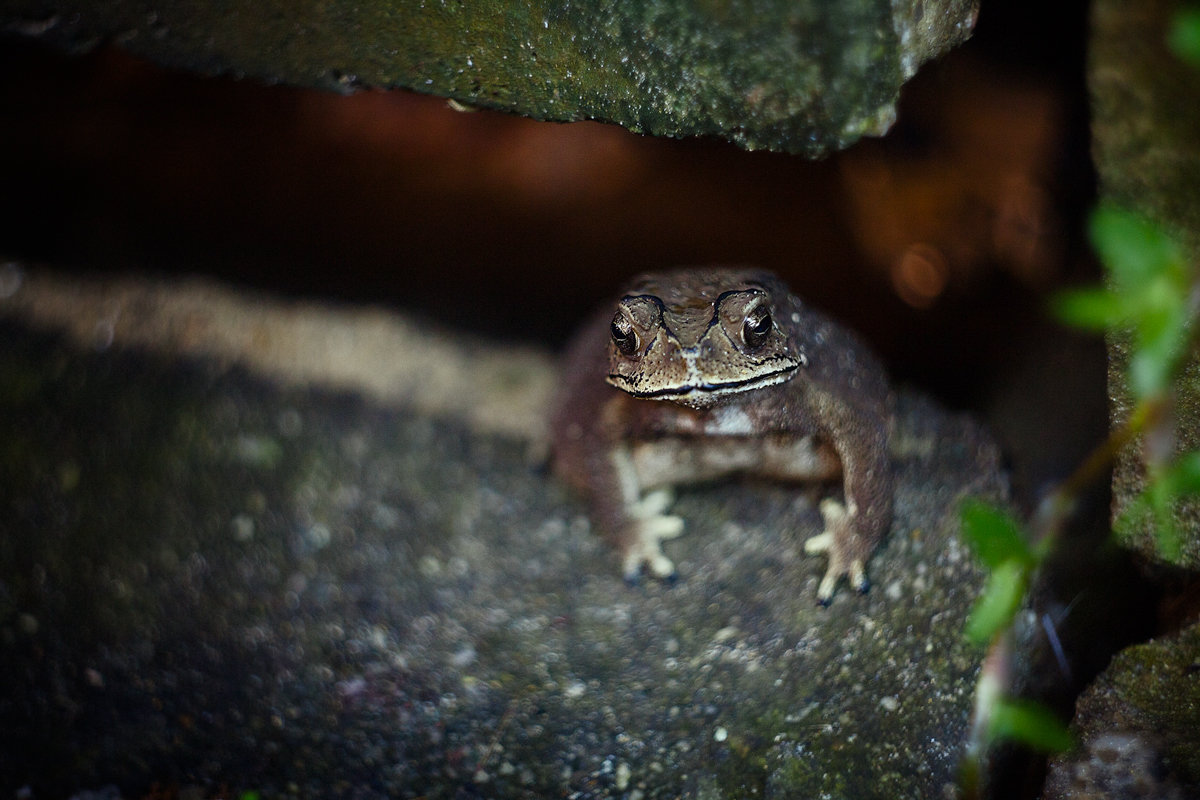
x: 699, y: 374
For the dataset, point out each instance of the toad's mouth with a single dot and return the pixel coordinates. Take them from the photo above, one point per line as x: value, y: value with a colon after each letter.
x: 701, y: 392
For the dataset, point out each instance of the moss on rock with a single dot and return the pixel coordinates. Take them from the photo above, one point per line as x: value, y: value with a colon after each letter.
x: 807, y: 76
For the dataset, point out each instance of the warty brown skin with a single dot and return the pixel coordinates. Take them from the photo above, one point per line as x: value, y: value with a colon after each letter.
x: 723, y: 372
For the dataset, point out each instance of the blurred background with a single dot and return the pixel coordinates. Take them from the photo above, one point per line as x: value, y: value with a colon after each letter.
x: 939, y: 242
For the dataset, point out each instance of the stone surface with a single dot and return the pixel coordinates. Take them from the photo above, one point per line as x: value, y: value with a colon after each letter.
x: 1146, y: 129
x: 212, y: 577
x: 804, y: 77
x: 1139, y: 727
x: 386, y: 357
x: 1145, y: 119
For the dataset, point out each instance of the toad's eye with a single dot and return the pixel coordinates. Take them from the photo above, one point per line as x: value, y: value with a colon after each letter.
x: 757, y: 327
x: 623, y: 335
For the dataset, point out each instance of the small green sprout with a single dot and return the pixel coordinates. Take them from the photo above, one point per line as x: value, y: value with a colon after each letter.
x: 1150, y: 296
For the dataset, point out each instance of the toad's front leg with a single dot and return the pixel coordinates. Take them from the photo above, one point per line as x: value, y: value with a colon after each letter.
x: 854, y: 529
x: 633, y: 520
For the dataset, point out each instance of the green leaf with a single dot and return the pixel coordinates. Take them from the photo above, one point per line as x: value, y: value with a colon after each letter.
x: 1168, y: 540
x: 1135, y: 516
x: 1162, y: 329
x: 1149, y: 374
x: 994, y: 534
x: 1092, y: 309
x: 1149, y: 290
x: 1031, y: 724
x: 1162, y: 497
x: 1184, y: 474
x: 1154, y: 508
x: 999, y: 602
x: 1183, y: 37
x: 1133, y: 248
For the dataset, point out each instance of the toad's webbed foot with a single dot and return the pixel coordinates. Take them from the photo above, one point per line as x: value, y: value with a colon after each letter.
x: 839, y: 542
x: 648, y: 527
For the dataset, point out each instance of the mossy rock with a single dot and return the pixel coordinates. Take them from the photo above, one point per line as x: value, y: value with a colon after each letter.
x: 802, y: 76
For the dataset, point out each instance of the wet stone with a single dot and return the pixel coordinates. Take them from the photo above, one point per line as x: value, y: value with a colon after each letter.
x: 211, y: 580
